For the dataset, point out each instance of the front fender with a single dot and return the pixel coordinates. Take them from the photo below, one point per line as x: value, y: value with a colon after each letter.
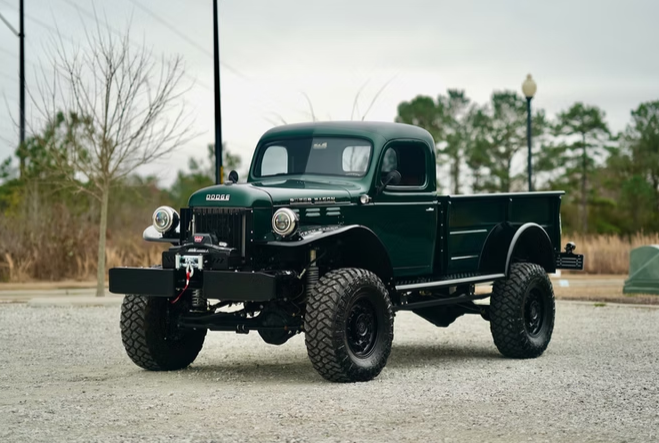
x: 309, y: 236
x: 360, y: 247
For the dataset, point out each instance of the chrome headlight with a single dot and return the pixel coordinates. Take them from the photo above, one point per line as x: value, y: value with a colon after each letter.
x: 165, y: 219
x: 284, y: 222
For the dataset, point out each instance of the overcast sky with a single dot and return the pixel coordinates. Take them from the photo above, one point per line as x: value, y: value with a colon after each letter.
x: 602, y: 52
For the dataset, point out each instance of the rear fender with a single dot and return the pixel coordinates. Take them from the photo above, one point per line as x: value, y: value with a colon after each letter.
x: 507, y: 243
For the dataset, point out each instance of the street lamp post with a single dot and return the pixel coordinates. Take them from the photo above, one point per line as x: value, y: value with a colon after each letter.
x: 528, y: 88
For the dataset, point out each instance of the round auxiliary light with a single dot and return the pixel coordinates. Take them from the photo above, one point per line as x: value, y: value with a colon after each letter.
x: 165, y: 219
x: 284, y: 222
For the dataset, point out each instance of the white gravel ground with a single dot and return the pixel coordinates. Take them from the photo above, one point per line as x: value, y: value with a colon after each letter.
x: 64, y: 376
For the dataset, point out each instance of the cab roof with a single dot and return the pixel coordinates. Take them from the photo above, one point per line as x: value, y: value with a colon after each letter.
x: 382, y: 131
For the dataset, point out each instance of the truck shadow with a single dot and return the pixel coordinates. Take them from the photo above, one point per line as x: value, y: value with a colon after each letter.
x: 293, y: 371
x: 415, y: 354
x: 299, y: 370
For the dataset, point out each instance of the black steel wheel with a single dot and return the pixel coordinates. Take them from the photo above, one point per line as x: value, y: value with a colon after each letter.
x: 361, y: 326
x: 348, y: 325
x: 522, y: 312
x: 534, y: 312
x: 151, y: 336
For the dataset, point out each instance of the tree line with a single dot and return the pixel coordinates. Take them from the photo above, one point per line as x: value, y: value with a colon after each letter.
x: 102, y: 111
x: 611, y: 179
x: 110, y: 107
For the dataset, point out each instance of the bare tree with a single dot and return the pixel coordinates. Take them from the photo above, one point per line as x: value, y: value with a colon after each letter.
x: 123, y: 109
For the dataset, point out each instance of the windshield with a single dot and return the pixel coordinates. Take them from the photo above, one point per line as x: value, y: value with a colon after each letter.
x: 318, y: 155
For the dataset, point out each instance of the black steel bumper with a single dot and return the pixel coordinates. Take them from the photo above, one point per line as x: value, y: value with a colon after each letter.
x: 222, y: 285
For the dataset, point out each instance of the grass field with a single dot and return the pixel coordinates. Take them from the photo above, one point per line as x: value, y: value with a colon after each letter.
x: 608, y: 254
x: 605, y: 255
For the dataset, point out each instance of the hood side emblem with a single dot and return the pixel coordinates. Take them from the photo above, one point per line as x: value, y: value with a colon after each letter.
x: 312, y: 200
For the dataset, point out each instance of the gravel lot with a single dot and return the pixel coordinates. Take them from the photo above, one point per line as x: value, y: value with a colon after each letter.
x: 64, y: 376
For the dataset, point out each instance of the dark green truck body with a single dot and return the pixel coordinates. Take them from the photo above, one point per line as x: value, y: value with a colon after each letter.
x: 338, y: 226
x: 426, y: 237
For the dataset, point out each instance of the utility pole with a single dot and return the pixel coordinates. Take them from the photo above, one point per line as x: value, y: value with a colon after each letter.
x: 21, y: 75
x: 219, y: 170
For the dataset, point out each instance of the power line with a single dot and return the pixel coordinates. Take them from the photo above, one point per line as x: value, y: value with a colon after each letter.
x: 6, y: 140
x: 171, y: 27
x: 201, y: 48
x: 7, y: 51
x: 13, y: 54
x: 42, y: 23
x: 184, y: 37
x: 9, y: 25
x: 94, y: 17
x: 7, y: 76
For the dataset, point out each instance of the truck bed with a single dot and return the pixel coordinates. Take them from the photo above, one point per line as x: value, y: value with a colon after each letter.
x: 465, y: 221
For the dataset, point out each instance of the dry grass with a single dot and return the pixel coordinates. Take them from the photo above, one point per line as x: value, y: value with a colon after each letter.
x: 609, y: 254
x: 44, y: 261
x: 29, y: 264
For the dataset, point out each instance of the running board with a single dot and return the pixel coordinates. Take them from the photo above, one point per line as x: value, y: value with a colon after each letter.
x: 454, y: 282
x: 441, y: 302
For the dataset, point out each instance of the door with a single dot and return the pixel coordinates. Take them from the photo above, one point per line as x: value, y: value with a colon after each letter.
x: 405, y: 215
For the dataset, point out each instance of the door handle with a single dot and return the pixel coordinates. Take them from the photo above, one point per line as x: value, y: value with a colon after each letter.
x: 430, y: 209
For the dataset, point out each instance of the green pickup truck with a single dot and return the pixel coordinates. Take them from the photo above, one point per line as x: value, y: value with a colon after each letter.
x: 338, y: 227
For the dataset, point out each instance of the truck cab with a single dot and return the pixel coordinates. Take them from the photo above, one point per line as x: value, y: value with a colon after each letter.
x: 338, y: 226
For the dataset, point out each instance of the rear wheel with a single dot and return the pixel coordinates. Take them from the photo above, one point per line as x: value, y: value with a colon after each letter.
x: 522, y: 312
x: 349, y: 325
x: 151, y: 336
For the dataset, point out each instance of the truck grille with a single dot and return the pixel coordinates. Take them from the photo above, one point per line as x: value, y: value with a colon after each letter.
x: 228, y: 224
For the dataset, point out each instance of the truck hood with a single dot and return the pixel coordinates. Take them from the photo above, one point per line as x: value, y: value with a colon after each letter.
x: 285, y: 192
x: 233, y: 195
x: 275, y: 192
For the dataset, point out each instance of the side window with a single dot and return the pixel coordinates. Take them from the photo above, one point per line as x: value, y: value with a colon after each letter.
x: 355, y: 159
x: 275, y: 161
x: 410, y: 160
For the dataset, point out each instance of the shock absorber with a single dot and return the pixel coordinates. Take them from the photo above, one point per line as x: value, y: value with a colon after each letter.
x: 199, y: 302
x: 312, y: 272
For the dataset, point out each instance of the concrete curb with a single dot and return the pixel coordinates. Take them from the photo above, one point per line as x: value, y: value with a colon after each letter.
x: 113, y: 300
x: 605, y: 304
x: 28, y: 293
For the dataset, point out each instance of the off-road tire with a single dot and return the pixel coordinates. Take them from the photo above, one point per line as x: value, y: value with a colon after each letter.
x: 329, y: 325
x: 147, y: 335
x: 515, y: 333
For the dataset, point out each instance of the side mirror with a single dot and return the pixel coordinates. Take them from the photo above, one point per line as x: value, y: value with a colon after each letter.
x: 392, y: 178
x: 233, y: 176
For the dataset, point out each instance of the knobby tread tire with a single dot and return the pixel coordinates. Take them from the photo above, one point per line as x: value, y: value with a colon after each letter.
x: 507, y: 311
x: 324, y: 326
x: 144, y: 335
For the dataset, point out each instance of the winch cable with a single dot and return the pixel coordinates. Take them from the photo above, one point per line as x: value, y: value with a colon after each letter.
x: 188, y: 274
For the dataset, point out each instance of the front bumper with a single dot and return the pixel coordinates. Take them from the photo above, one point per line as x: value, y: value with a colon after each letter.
x: 222, y: 285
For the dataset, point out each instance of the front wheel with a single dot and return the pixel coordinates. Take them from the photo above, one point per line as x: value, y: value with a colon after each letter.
x: 522, y: 312
x: 151, y: 336
x: 349, y: 325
